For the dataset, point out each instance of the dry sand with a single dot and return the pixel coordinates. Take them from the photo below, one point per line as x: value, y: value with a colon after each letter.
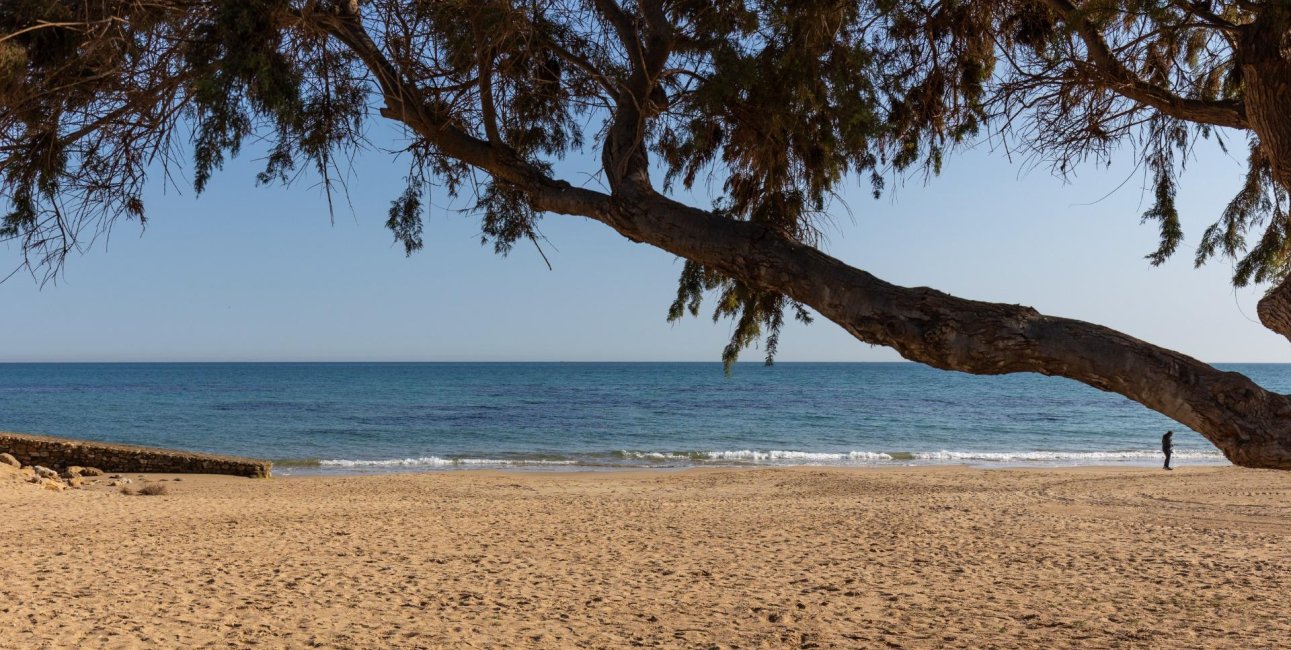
x: 801, y: 558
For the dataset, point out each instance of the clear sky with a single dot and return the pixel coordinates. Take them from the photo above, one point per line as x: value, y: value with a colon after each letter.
x: 247, y: 273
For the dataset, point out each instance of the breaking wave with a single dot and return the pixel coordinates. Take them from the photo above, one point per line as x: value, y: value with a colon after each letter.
x: 1091, y: 457
x: 436, y: 461
x: 791, y: 457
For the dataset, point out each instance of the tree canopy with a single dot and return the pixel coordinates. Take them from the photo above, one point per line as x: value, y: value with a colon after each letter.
x: 778, y: 102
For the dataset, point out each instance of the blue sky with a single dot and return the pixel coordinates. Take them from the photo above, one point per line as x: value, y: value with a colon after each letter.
x: 248, y: 273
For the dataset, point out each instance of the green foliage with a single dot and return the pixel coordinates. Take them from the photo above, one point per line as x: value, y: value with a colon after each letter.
x: 239, y: 72
x: 1161, y: 164
x: 789, y: 99
x: 754, y: 311
x: 1259, y: 201
x: 508, y: 217
x: 405, y: 218
x: 13, y: 65
x: 103, y: 89
x: 788, y: 110
x: 534, y: 102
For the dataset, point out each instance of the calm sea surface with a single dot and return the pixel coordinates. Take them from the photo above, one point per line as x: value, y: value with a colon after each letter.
x: 345, y: 417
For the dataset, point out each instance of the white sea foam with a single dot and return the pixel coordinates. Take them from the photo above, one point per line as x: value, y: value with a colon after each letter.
x: 655, y: 455
x: 791, y: 457
x: 436, y: 461
x: 800, y: 456
x: 1061, y: 456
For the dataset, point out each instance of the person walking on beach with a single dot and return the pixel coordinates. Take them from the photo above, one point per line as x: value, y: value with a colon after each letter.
x: 1167, y: 447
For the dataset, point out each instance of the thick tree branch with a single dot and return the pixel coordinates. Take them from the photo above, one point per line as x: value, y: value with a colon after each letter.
x: 489, y: 114
x: 1250, y: 425
x: 623, y: 27
x: 624, y: 154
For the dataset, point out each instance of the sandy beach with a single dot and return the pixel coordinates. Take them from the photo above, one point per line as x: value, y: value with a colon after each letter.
x: 768, y: 558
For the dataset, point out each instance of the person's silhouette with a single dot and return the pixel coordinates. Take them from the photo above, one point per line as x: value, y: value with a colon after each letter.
x: 1167, y: 447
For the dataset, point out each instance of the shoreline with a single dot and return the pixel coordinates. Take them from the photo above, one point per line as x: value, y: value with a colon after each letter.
x: 646, y: 473
x: 291, y: 470
x: 559, y: 475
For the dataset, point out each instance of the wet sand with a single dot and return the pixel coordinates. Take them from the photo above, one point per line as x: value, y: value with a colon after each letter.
x: 768, y: 558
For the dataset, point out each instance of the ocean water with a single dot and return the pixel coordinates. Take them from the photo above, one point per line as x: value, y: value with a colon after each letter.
x: 348, y: 417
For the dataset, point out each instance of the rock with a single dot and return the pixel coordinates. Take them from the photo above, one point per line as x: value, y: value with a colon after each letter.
x: 75, y: 482
x: 8, y: 459
x: 91, y: 471
x: 45, y: 472
x: 52, y: 484
x: 120, y: 481
x: 73, y: 471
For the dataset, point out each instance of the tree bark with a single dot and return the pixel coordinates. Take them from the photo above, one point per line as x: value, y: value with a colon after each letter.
x: 1265, y: 58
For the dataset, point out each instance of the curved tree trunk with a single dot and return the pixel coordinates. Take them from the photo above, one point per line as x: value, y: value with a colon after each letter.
x: 1265, y: 58
x: 1250, y: 425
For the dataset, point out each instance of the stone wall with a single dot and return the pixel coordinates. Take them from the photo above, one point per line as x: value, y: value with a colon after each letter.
x: 60, y: 453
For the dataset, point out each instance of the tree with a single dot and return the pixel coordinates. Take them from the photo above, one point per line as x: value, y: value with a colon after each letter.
x: 783, y: 100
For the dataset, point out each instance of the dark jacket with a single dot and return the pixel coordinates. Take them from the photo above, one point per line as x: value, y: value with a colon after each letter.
x: 1167, y: 443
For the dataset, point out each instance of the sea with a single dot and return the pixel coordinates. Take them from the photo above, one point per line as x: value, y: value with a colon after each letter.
x: 312, y: 418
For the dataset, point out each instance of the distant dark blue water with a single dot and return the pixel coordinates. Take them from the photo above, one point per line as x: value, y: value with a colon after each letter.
x: 361, y: 416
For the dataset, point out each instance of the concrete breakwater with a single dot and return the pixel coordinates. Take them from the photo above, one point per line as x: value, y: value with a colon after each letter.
x: 60, y: 453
